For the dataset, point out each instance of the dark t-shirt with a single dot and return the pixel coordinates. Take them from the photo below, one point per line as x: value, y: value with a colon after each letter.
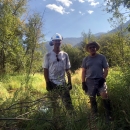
x: 95, y: 65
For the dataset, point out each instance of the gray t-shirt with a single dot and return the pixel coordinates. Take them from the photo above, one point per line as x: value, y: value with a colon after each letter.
x: 57, y: 68
x: 95, y: 65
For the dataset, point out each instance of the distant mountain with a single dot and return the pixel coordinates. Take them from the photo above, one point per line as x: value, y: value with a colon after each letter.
x: 77, y: 41
x: 71, y: 40
x: 99, y: 34
x: 125, y: 25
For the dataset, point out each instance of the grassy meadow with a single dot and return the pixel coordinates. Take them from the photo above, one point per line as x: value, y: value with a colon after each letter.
x: 24, y: 104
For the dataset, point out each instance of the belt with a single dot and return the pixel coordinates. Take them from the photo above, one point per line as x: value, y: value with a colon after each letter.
x: 93, y: 78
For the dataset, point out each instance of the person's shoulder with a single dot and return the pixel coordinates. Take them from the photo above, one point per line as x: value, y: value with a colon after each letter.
x: 85, y: 58
x: 63, y: 52
x: 48, y: 53
x: 101, y: 55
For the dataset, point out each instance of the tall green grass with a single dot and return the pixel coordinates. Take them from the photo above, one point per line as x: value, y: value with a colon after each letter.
x: 23, y: 97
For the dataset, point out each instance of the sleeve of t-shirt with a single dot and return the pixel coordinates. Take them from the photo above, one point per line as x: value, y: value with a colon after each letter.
x: 83, y: 63
x: 68, y: 65
x: 45, y: 62
x: 105, y: 63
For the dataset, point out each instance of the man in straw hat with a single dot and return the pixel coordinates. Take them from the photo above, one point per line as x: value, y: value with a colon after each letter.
x: 94, y: 73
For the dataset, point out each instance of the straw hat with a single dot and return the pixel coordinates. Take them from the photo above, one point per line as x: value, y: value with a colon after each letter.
x: 93, y: 43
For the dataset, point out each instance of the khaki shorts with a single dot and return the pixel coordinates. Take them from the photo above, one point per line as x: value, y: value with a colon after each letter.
x: 93, y: 88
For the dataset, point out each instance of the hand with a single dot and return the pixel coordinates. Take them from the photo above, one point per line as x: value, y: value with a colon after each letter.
x: 69, y: 85
x: 49, y: 87
x: 101, y: 82
x: 84, y: 86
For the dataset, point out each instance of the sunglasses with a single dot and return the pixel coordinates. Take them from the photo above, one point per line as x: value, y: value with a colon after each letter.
x: 92, y: 47
x: 57, y: 58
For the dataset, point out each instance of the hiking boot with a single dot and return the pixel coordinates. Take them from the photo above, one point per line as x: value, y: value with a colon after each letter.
x: 93, y: 105
x: 107, y: 106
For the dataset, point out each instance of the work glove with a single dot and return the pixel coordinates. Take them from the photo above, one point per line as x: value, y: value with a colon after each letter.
x: 101, y: 82
x: 84, y: 86
x: 49, y: 86
x: 69, y: 85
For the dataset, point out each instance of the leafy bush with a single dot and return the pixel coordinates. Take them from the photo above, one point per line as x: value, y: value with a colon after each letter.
x: 76, y: 56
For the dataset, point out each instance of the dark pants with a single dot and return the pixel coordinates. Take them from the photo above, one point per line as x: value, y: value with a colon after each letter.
x: 63, y: 92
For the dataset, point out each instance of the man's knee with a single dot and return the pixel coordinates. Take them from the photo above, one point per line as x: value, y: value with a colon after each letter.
x: 104, y: 95
x: 92, y: 100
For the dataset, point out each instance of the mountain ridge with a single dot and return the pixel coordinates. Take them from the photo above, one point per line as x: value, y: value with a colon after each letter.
x: 74, y: 41
x: 70, y: 40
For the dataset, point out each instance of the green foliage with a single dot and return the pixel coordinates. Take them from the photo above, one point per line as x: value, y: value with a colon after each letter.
x: 119, y: 92
x: 10, y: 35
x: 14, y: 56
x: 33, y: 36
x: 13, y: 82
x: 27, y: 102
x: 115, y: 48
x: 113, y: 5
x: 87, y: 37
x: 3, y: 94
x: 21, y: 96
x: 76, y: 56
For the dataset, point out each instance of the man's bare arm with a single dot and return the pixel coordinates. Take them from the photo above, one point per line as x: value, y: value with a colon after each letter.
x: 83, y: 74
x: 68, y: 75
x: 105, y: 73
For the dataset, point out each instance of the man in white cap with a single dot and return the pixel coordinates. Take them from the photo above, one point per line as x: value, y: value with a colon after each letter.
x: 56, y: 64
x: 94, y: 74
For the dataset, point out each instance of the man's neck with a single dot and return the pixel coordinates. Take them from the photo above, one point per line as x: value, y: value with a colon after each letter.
x: 56, y: 50
x: 92, y: 55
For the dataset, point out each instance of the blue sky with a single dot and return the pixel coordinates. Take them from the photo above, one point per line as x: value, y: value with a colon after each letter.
x: 71, y: 17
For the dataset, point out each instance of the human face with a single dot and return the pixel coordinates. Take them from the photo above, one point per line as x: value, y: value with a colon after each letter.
x: 92, y: 49
x: 57, y: 43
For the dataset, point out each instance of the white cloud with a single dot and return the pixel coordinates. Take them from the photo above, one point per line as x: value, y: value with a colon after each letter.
x: 90, y: 0
x: 72, y: 10
x: 81, y: 1
x: 65, y: 2
x: 94, y: 3
x: 81, y: 13
x: 56, y: 8
x: 44, y: 0
x: 90, y: 11
x: 105, y: 4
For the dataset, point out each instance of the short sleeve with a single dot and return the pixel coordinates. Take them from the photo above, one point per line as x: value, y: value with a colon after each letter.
x: 45, y: 62
x: 84, y: 63
x: 68, y: 65
x: 105, y: 63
